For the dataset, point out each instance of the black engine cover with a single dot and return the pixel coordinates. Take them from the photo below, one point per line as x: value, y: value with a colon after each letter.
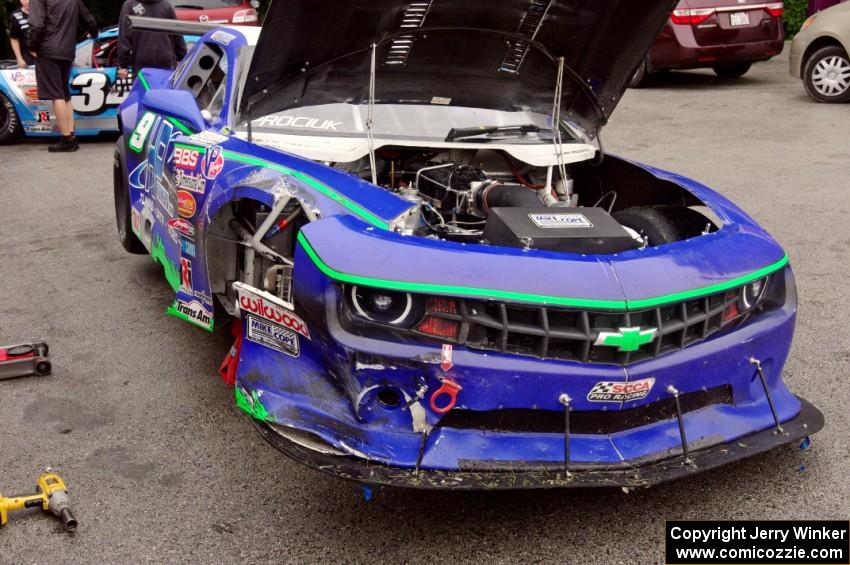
x: 571, y: 230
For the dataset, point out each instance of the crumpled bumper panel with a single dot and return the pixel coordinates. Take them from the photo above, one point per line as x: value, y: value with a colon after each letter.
x: 478, y: 475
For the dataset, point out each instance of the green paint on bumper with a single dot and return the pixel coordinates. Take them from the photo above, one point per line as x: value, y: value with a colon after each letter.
x: 252, y: 405
x: 171, y: 275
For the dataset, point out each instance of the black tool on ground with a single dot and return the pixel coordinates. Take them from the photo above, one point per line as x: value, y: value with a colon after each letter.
x: 24, y: 359
x: 52, y: 496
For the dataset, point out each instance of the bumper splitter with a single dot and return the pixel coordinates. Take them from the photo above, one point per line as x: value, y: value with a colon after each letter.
x: 487, y: 475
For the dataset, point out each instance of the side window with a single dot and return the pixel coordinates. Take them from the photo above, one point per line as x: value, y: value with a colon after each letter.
x: 206, y: 79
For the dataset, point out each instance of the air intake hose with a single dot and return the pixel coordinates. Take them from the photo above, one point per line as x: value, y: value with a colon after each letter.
x: 498, y: 195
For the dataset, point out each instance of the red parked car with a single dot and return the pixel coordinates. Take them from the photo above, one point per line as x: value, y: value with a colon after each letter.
x: 240, y: 12
x: 724, y: 35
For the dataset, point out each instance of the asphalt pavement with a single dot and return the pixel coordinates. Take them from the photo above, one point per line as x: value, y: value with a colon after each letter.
x: 163, y: 468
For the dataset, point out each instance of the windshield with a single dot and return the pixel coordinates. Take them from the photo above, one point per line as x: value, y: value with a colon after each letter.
x: 408, y: 122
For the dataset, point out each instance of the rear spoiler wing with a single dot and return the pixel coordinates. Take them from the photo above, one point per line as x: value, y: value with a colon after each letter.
x: 176, y: 27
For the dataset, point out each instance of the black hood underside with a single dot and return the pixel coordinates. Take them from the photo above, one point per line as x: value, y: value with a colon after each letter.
x: 499, y: 55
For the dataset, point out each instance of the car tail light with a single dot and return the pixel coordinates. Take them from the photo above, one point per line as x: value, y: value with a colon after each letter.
x: 245, y: 16
x: 775, y: 9
x: 440, y: 326
x: 691, y: 17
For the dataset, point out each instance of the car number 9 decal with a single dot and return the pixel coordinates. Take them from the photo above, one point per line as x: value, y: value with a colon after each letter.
x: 92, y: 93
x: 140, y: 134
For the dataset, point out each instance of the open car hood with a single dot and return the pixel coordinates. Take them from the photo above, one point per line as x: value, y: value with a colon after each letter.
x: 471, y: 53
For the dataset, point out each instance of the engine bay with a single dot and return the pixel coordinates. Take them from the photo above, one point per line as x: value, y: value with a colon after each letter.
x: 487, y: 196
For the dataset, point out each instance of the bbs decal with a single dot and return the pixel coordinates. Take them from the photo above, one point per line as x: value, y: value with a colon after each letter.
x: 92, y: 93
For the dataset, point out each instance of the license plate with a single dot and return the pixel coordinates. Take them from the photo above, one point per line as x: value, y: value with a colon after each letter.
x: 739, y: 19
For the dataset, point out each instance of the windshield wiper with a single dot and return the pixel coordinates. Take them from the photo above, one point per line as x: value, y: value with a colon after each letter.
x: 462, y: 133
x: 188, y: 7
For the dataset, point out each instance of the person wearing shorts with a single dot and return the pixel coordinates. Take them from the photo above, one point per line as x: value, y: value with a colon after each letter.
x: 53, y: 41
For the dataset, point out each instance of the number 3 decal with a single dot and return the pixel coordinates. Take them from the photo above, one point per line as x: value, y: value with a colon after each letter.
x: 92, y: 94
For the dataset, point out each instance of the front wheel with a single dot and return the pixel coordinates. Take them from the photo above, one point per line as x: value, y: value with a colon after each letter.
x: 121, y: 188
x: 826, y: 75
x: 10, y: 124
x: 732, y: 71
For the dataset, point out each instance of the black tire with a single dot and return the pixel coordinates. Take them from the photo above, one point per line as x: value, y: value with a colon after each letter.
x: 10, y: 125
x: 641, y: 75
x: 732, y: 71
x: 122, y: 202
x: 663, y: 224
x: 816, y: 75
x: 43, y: 368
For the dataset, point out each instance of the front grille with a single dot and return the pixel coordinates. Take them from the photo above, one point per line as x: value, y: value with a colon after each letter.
x: 570, y: 334
x: 598, y: 422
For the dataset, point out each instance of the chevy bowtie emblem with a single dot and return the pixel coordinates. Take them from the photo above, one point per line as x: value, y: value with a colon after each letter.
x: 627, y: 339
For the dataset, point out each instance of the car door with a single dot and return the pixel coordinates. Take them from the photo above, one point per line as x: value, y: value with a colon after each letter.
x: 95, y: 92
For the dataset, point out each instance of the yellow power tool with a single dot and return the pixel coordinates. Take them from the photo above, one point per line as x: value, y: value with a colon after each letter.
x: 52, y: 497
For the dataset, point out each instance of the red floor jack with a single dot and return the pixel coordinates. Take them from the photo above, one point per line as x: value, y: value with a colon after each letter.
x: 24, y: 360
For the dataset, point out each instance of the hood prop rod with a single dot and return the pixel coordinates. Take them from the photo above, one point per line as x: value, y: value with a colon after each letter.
x: 757, y: 363
x: 566, y: 400
x: 370, y: 114
x: 672, y: 390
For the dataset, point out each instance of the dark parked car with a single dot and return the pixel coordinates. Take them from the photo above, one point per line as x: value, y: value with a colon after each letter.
x: 240, y: 12
x: 724, y: 35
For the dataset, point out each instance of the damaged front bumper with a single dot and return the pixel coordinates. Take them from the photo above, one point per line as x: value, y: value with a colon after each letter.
x: 480, y: 475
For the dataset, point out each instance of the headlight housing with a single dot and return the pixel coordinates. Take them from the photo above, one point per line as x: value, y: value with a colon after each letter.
x: 385, y: 307
x: 752, y: 294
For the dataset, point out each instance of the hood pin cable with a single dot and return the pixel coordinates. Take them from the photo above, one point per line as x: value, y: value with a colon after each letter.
x: 566, y: 400
x: 672, y: 390
x: 757, y: 363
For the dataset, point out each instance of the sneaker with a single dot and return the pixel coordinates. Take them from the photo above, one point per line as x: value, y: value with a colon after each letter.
x: 64, y: 145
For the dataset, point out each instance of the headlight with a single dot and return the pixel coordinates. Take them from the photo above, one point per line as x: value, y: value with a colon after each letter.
x: 385, y: 306
x: 752, y: 294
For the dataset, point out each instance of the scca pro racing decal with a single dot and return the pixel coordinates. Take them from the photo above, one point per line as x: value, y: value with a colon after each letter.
x: 273, y: 336
x: 270, y: 308
x: 609, y: 391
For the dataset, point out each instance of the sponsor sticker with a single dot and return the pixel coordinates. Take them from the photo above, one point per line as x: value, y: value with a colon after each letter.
x: 185, y: 275
x: 208, y: 138
x: 304, y: 122
x: 43, y: 117
x: 608, y: 391
x: 186, y: 205
x: 193, y: 312
x: 186, y: 158
x: 179, y: 225
x: 136, y: 220
x: 223, y: 37
x: 260, y: 303
x: 571, y: 220
x: 190, y: 181
x: 273, y: 336
x: 187, y: 247
x: 213, y: 162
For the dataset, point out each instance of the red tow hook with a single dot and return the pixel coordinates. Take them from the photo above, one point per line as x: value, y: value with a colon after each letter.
x: 449, y: 388
x: 227, y: 370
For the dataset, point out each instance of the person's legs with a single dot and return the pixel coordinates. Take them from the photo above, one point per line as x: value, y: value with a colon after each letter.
x: 53, y: 79
x: 64, y: 117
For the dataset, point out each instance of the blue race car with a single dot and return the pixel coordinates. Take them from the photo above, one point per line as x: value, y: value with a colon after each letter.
x: 436, y: 277
x: 96, y: 93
